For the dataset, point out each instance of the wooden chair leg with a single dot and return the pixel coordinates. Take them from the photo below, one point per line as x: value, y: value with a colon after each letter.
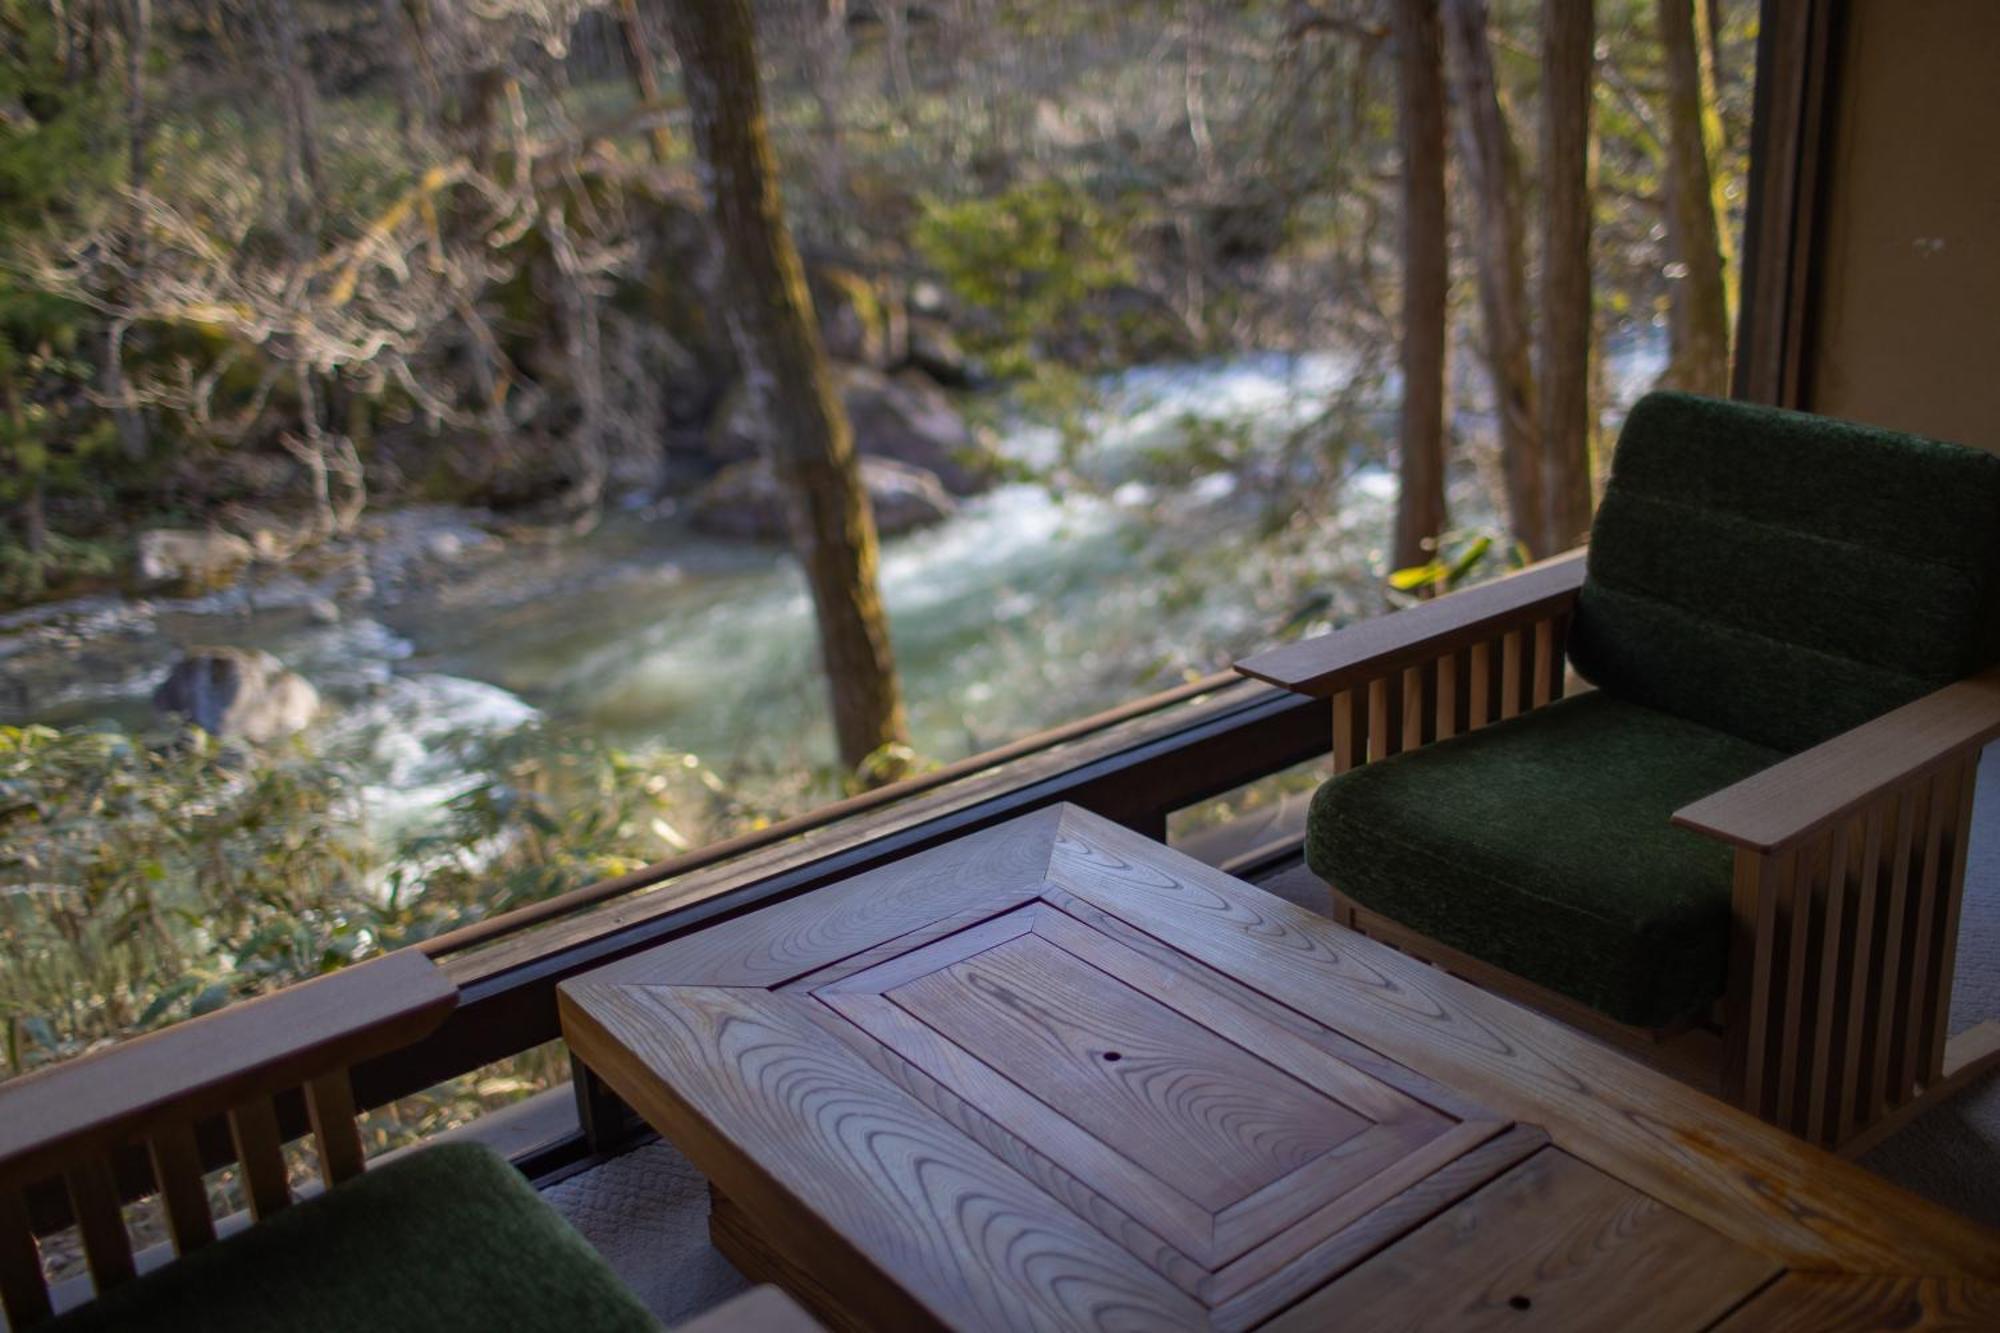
x: 1343, y: 909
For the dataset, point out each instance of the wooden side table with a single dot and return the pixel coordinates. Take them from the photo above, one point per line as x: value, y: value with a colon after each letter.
x: 1054, y: 1075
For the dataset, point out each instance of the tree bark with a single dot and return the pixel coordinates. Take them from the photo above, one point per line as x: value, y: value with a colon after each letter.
x: 1699, y: 316
x: 1493, y: 176
x: 1194, y: 76
x: 784, y: 365
x: 1420, y: 510
x: 639, y: 67
x: 34, y: 520
x: 1714, y: 9
x: 826, y: 64
x: 895, y: 18
x: 583, y: 349
x: 401, y: 39
x: 135, y: 22
x: 1564, y: 372
x: 300, y: 103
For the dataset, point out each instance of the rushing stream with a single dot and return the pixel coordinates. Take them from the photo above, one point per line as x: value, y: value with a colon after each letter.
x: 1033, y: 604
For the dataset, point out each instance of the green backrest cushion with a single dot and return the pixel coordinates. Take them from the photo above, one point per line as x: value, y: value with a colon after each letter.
x: 1785, y: 577
x: 446, y: 1238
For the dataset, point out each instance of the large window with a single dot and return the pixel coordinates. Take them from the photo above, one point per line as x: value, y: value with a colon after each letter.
x: 369, y: 400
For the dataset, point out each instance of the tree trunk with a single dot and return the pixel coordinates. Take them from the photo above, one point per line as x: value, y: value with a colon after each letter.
x: 1699, y: 318
x: 1194, y: 76
x: 826, y: 64
x: 639, y: 66
x: 291, y: 78
x: 135, y: 19
x: 1420, y: 513
x: 1564, y: 372
x: 34, y: 520
x: 400, y: 34
x: 583, y: 349
x: 1493, y: 176
x: 1714, y: 8
x: 895, y: 18
x: 785, y: 366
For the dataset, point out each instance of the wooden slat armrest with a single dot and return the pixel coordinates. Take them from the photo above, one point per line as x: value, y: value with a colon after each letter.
x: 1797, y: 796
x: 53, y: 1117
x: 1356, y: 653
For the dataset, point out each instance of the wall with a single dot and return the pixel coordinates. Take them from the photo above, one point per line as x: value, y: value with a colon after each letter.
x: 1907, y: 332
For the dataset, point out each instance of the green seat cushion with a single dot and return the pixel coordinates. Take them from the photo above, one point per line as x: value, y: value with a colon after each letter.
x: 1542, y: 845
x: 447, y: 1238
x: 1785, y: 577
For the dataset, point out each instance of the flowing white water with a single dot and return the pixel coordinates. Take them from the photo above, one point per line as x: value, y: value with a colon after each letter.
x: 1139, y: 561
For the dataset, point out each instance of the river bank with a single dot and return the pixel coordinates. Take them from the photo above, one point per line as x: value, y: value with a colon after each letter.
x: 1033, y: 602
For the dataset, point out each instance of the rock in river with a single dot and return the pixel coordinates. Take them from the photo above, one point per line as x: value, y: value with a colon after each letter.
x: 935, y: 351
x: 744, y: 501
x: 853, y: 326
x: 197, y: 561
x: 904, y: 417
x: 238, y: 692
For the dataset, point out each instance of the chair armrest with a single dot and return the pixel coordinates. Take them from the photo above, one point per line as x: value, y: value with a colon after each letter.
x: 53, y: 1117
x: 1771, y: 810
x: 1357, y: 653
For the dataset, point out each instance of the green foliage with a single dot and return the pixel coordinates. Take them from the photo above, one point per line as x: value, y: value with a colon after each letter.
x: 59, y: 142
x: 147, y: 883
x: 143, y: 883
x: 26, y: 574
x: 548, y: 813
x: 59, y: 158
x: 1460, y: 557
x: 50, y: 431
x: 1030, y: 256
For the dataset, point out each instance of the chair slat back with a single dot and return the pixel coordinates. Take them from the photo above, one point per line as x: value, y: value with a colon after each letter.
x: 67, y: 1122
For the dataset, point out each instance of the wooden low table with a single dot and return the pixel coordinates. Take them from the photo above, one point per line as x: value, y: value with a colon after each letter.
x: 1055, y: 1075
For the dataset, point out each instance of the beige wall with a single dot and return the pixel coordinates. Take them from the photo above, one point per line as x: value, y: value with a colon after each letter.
x: 1908, y: 331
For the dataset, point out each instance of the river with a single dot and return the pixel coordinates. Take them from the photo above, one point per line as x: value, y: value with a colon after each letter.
x: 1140, y: 561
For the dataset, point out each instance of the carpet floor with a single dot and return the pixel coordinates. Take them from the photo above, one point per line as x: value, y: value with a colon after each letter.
x: 647, y: 1211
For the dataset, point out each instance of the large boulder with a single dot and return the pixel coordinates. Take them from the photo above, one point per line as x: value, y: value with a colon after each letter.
x: 680, y: 340
x: 935, y: 351
x: 192, y: 560
x: 242, y: 693
x: 743, y: 500
x: 853, y: 321
x: 904, y: 416
x: 1122, y: 325
x: 272, y: 537
x: 736, y: 431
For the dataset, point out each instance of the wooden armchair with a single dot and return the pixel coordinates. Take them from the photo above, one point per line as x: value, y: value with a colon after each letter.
x: 443, y: 1237
x: 1743, y: 854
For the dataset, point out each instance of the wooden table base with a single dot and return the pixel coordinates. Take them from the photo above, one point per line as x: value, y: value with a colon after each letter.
x: 756, y: 1259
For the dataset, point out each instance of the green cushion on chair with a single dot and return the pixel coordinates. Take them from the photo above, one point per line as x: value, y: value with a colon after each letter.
x: 1542, y: 845
x: 447, y: 1238
x: 1786, y: 577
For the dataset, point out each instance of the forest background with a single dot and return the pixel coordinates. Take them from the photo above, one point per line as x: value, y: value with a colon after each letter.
x: 276, y: 272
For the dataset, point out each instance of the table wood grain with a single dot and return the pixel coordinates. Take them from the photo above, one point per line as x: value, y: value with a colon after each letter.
x: 1054, y: 1075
